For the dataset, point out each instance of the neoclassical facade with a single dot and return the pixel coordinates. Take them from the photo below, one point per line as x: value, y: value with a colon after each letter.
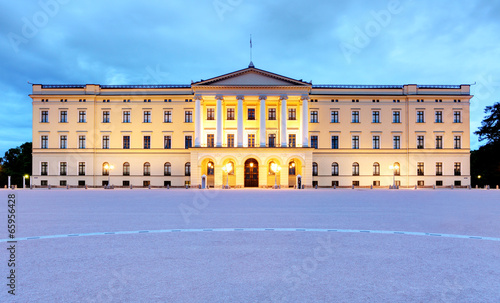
x: 251, y: 128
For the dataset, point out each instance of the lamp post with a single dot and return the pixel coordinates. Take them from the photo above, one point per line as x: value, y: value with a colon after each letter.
x: 275, y: 168
x: 227, y: 169
x: 109, y: 168
x: 24, y: 180
x: 394, y: 169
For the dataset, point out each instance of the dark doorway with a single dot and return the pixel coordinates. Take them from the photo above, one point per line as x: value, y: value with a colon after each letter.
x: 251, y: 173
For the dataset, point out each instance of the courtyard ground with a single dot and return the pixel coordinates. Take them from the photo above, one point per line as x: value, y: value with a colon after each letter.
x: 248, y: 245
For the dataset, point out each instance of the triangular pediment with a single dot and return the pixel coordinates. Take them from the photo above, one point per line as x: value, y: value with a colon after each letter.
x: 251, y: 77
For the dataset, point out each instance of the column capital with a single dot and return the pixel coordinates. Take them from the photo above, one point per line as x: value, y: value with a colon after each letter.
x: 305, y: 98
x: 219, y: 97
x: 240, y: 97
x: 283, y: 97
x: 198, y: 97
x: 262, y: 97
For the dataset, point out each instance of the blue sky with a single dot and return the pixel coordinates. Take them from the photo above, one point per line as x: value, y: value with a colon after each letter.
x: 174, y: 42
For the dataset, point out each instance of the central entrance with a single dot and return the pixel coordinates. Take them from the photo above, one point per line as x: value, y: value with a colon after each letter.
x: 251, y: 173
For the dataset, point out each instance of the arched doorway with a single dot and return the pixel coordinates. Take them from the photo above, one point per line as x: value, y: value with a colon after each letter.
x: 251, y: 173
x: 210, y: 174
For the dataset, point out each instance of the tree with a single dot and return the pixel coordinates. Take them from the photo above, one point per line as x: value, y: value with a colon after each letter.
x: 490, y: 126
x: 485, y: 163
x: 16, y: 163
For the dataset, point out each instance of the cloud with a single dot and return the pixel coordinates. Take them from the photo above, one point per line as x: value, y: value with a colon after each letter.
x: 126, y: 42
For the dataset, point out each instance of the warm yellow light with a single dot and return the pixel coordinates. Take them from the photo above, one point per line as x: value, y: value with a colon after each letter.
x: 479, y: 177
x: 229, y: 167
x: 251, y: 164
x: 106, y: 166
x: 275, y: 167
x: 26, y: 176
x: 293, y: 164
x: 396, y: 166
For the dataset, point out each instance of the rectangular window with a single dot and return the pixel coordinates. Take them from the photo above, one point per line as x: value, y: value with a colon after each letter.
x: 147, y: 116
x: 335, y: 142
x: 396, y: 140
x: 81, y: 168
x: 272, y: 140
x: 457, y: 117
x: 126, y: 116
x: 271, y: 114
x: 334, y: 116
x: 63, y: 116
x: 420, y: 116
x: 230, y: 140
x: 126, y: 142
x: 439, y: 142
x: 457, y: 171
x: 396, y: 116
x: 376, y: 142
x: 439, y: 168
x: 167, y: 142
x: 105, y: 116
x: 314, y: 142
x: 44, y: 169
x: 63, y: 168
x: 230, y: 114
x: 420, y: 142
x: 63, y: 142
x: 457, y: 144
x: 82, y: 116
x: 439, y: 116
x: 420, y: 168
x: 251, y: 140
x: 147, y: 142
x: 420, y: 183
x: 188, y: 116
x: 355, y: 116
x: 44, y: 116
x: 292, y: 114
x: 210, y: 140
x: 439, y: 183
x: 375, y: 116
x: 292, y: 140
x: 314, y: 116
x: 105, y: 142
x: 188, y: 142
x: 355, y: 142
x: 81, y: 141
x: 210, y: 113
x: 251, y: 114
x: 167, y: 116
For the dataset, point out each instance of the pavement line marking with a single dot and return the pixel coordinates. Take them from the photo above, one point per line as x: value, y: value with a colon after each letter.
x: 387, y: 232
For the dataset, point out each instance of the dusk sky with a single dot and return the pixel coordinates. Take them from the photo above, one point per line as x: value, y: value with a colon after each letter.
x: 174, y: 42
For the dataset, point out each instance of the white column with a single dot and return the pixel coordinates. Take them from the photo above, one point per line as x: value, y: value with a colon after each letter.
x: 219, y: 121
x: 305, y: 121
x: 240, y: 121
x: 197, y: 122
x: 262, y: 129
x: 283, y: 121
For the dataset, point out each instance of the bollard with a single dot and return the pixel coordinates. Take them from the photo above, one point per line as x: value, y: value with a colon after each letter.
x: 316, y: 186
x: 416, y: 187
x: 186, y: 186
x: 335, y: 187
x: 168, y: 186
x: 149, y: 186
x: 468, y: 186
x: 130, y: 186
x: 86, y: 186
x: 497, y: 186
x: 477, y: 186
x: 433, y: 186
x: 390, y: 186
x: 48, y: 186
x: 488, y: 187
x: 67, y: 186
x: 371, y: 186
x: 353, y: 187
x: 452, y: 187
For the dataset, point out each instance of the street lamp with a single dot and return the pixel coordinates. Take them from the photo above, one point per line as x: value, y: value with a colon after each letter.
x: 24, y: 180
x: 108, y: 168
x: 275, y: 168
x: 227, y: 169
x: 394, y: 169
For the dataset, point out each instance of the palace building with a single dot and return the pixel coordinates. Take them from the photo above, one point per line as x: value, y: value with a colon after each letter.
x: 251, y: 128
